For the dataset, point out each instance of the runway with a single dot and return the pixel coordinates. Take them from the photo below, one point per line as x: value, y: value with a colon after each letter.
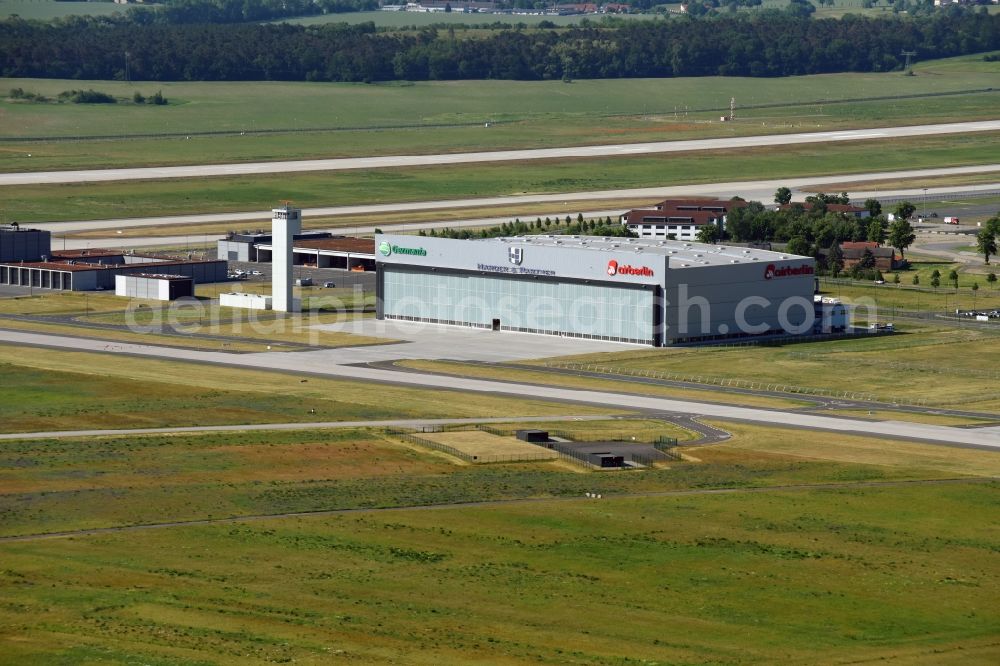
x: 325, y: 363
x: 390, y: 161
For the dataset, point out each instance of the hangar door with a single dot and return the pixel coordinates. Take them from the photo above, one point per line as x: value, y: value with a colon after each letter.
x: 593, y: 310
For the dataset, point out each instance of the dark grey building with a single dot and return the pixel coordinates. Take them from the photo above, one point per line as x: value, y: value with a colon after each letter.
x: 19, y: 244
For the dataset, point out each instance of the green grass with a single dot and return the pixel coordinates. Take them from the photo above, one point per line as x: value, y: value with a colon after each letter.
x: 45, y: 10
x: 82, y: 201
x: 74, y: 390
x: 530, y: 114
x: 897, y: 574
x: 953, y: 368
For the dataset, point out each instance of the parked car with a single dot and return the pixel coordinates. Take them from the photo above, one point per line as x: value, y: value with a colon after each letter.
x: 329, y: 285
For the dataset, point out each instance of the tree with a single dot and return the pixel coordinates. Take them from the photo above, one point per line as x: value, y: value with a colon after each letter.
x: 935, y: 281
x: 835, y: 259
x: 916, y: 278
x: 986, y: 243
x: 992, y: 279
x: 783, y: 195
x: 904, y: 210
x: 874, y: 207
x: 953, y: 276
x: 137, y: 98
x: 901, y: 235
x: 709, y: 233
x: 993, y: 225
x: 799, y: 245
x: 876, y: 230
x: 895, y: 278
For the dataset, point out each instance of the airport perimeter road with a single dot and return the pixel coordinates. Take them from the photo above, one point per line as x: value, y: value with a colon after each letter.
x: 615, y: 150
x: 318, y: 364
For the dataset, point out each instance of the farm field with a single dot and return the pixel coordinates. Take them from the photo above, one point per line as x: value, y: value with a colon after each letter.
x: 316, y: 120
x: 754, y: 578
x: 89, y: 201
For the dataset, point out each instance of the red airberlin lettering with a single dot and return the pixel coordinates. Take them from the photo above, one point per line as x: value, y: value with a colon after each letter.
x: 614, y: 268
x: 785, y: 271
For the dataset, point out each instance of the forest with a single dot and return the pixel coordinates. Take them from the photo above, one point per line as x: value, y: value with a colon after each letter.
x: 767, y: 44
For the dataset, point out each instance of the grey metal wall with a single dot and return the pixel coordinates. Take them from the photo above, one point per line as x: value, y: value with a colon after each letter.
x: 715, y: 302
x: 24, y: 245
x: 623, y: 313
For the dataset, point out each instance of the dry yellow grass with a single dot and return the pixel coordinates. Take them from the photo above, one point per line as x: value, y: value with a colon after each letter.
x: 407, y: 401
x: 554, y: 379
x: 865, y: 450
x: 484, y: 445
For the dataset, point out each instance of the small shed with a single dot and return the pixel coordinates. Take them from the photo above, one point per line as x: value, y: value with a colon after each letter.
x: 607, y: 460
x: 533, y: 436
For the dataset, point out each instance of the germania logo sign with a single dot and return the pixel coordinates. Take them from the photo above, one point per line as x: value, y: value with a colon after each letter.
x: 385, y: 249
x: 614, y: 268
x: 786, y: 271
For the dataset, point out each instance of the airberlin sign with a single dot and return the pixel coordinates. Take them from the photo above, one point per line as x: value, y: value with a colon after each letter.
x: 614, y: 268
x: 787, y: 271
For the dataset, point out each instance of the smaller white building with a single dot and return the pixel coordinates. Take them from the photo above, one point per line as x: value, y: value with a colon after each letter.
x: 239, y: 299
x: 154, y: 286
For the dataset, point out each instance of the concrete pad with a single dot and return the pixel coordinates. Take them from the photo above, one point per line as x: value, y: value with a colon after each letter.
x: 454, y: 343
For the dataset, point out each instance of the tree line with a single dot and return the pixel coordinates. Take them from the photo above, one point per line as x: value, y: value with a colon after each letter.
x: 768, y: 44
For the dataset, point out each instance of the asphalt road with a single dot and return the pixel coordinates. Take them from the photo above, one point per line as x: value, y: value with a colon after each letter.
x: 316, y: 363
x: 613, y: 150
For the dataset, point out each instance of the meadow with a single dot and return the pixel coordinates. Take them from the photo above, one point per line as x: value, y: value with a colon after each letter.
x: 313, y: 120
x: 924, y: 364
x: 45, y: 10
x: 855, y: 574
x: 95, y: 201
x: 74, y: 390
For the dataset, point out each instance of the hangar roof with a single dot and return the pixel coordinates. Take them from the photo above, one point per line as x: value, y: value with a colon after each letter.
x: 682, y: 254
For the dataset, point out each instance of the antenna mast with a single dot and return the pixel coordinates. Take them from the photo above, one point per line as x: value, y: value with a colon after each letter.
x: 908, y: 54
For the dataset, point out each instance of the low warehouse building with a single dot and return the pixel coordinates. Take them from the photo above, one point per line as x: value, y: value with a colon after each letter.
x: 239, y: 299
x: 618, y: 289
x: 154, y: 287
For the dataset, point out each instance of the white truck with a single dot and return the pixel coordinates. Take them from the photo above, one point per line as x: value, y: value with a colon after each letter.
x: 951, y: 220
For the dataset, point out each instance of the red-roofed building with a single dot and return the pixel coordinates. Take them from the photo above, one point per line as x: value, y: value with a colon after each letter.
x: 680, y: 219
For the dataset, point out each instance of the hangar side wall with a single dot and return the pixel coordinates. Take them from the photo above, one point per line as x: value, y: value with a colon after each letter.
x: 717, y: 302
x: 575, y: 308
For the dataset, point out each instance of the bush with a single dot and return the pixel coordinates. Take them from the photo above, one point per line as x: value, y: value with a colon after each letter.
x: 87, y: 97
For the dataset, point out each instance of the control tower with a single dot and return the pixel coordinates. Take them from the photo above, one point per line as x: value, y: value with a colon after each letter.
x: 285, y: 223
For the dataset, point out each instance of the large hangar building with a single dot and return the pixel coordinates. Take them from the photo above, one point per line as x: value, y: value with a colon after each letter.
x: 642, y: 291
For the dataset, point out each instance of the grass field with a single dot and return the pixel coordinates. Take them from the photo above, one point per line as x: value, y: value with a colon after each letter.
x: 89, y: 201
x: 73, y: 390
x: 521, y: 114
x: 485, y: 445
x: 529, y: 376
x: 899, y: 574
x: 953, y: 368
x: 45, y: 10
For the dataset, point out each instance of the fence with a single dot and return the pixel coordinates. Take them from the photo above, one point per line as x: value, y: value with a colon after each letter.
x: 723, y: 382
x: 663, y: 446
